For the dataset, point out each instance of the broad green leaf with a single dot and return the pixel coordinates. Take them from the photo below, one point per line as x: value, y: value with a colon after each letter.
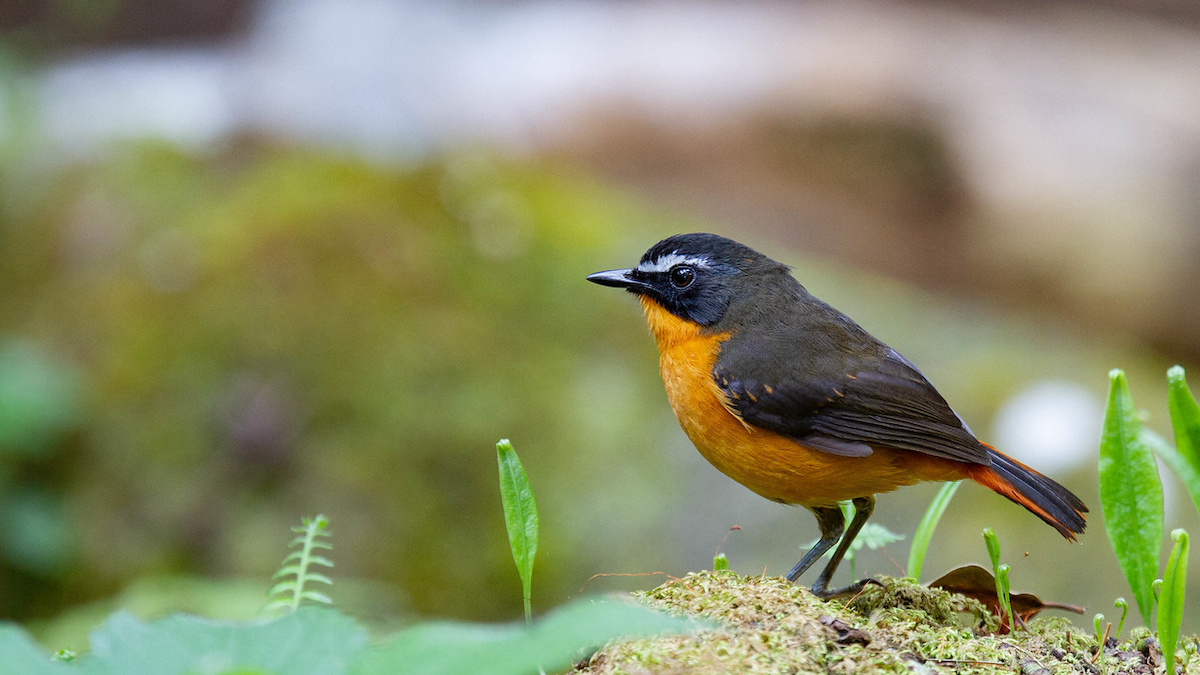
x: 1131, y: 495
x: 520, y: 517
x: 925, y: 529
x: 19, y: 654
x: 552, y: 642
x: 1170, y: 598
x: 309, y: 641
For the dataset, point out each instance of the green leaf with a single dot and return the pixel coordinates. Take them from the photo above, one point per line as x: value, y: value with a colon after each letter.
x: 1185, y: 419
x: 1170, y: 600
x: 276, y: 605
x: 925, y: 529
x: 286, y: 570
x: 720, y: 562
x: 520, y: 517
x: 1186, y: 473
x: 1131, y: 495
x: 283, y: 587
x: 317, y: 596
x: 310, y: 641
x: 320, y: 578
x: 21, y: 655
x: 552, y: 642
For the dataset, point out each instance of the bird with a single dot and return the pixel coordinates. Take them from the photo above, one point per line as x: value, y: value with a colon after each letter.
x: 794, y: 400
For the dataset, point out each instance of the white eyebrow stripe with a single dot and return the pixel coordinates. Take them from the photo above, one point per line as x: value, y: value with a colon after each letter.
x: 670, y: 260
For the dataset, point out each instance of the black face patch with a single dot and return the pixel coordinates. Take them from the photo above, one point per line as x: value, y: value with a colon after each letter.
x: 689, y: 291
x: 692, y: 287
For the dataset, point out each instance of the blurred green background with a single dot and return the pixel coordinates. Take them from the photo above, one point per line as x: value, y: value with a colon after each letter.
x: 205, y: 335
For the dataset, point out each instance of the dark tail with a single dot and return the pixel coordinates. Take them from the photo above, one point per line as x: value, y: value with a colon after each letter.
x: 1043, y: 497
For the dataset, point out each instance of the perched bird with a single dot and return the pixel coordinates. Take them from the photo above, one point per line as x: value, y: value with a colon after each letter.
x: 792, y: 399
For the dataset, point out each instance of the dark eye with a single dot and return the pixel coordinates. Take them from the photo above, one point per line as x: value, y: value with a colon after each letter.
x: 681, y: 276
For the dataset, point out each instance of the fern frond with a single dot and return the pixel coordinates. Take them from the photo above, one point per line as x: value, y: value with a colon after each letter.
x: 316, y: 597
x: 294, y: 570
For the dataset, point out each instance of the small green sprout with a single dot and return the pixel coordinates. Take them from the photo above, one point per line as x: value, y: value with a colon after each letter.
x: 310, y: 538
x: 1101, y: 636
x: 1124, y: 607
x: 720, y: 562
x: 1001, y: 571
x: 520, y: 517
x: 1170, y: 601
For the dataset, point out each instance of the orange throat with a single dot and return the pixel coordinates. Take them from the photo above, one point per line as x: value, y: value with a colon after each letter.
x: 669, y: 330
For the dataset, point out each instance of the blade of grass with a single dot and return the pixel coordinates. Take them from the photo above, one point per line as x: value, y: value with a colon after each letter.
x: 520, y: 517
x: 1170, y: 599
x: 1130, y: 494
x: 929, y: 522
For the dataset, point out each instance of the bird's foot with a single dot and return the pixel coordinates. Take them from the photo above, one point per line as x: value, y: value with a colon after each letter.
x: 820, y: 591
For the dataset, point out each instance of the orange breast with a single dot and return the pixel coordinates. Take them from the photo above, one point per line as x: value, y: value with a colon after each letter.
x: 769, y: 464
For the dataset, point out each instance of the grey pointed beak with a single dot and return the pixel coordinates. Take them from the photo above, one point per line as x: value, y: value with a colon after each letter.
x: 616, y: 279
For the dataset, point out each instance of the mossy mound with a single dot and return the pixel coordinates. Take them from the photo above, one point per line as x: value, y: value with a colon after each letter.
x: 767, y: 625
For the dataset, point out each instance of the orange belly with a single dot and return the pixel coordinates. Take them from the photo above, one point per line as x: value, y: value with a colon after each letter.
x: 769, y: 464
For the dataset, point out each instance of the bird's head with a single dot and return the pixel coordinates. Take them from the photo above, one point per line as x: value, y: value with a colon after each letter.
x: 699, y: 278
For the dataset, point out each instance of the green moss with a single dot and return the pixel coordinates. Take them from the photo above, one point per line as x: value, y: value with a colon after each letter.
x: 767, y: 625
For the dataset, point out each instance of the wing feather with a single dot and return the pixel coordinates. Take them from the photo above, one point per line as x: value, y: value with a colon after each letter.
x: 878, y: 402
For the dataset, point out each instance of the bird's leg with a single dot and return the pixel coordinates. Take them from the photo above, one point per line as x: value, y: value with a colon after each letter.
x: 863, y: 506
x: 832, y: 522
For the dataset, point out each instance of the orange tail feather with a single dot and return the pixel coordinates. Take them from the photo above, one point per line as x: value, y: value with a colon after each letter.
x: 1045, y: 498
